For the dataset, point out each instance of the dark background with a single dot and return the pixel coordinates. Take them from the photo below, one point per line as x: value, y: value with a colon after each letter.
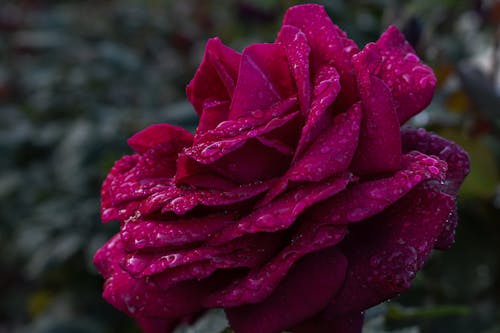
x: 79, y: 77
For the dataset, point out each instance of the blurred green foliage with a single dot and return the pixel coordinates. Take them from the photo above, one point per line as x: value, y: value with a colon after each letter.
x: 79, y: 77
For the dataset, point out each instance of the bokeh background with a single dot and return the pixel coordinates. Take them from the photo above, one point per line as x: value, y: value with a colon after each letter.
x: 79, y: 77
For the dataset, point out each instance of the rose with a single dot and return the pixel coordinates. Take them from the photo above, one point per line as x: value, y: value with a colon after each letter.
x: 299, y: 202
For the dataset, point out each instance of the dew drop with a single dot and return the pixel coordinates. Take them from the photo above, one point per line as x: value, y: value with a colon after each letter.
x: 412, y: 57
x: 171, y: 258
x: 266, y: 220
x: 434, y: 170
x: 211, y: 150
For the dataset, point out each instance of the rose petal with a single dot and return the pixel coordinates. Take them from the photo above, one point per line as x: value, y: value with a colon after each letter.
x: 386, y: 252
x: 261, y: 281
x: 147, y: 264
x: 248, y: 257
x: 123, y: 165
x: 282, y: 212
x: 350, y: 323
x: 139, y: 298
x: 213, y: 114
x: 304, y: 292
x: 369, y: 198
x: 432, y: 144
x: 156, y: 325
x: 213, y: 198
x: 193, y: 173
x: 140, y: 234
x: 411, y: 82
x: 207, y: 152
x: 326, y: 89
x: 263, y: 81
x: 154, y: 135
x: 458, y: 168
x: 136, y: 177
x: 329, y: 47
x: 215, y: 79
x: 260, y: 119
x: 136, y: 297
x: 108, y: 257
x: 332, y: 151
x: 253, y: 162
x: 297, y: 51
x: 379, y: 147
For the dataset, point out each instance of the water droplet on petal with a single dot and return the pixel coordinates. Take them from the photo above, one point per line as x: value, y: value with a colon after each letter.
x: 266, y: 220
x: 434, y: 170
x: 412, y: 57
x: 211, y: 150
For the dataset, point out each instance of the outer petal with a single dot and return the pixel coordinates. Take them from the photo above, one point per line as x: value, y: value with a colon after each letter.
x: 385, y: 252
x: 329, y: 46
x: 136, y: 297
x: 140, y: 234
x: 369, y: 198
x: 304, y: 292
x: 160, y: 134
x: 458, y: 168
x: 379, y: 147
x: 156, y: 325
x: 142, y: 264
x: 261, y: 281
x: 411, y: 82
x: 215, y: 79
x: 432, y: 144
x: 108, y: 257
x: 139, y: 298
x: 263, y: 81
x: 123, y: 189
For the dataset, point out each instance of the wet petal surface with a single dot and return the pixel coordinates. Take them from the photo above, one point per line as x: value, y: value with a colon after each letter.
x: 282, y: 212
x: 262, y: 281
x: 264, y: 80
x: 303, y: 293
x: 329, y: 46
x: 410, y: 81
x: 297, y: 51
x: 215, y: 79
x: 379, y: 148
x: 458, y: 168
x: 385, y: 252
x: 369, y: 198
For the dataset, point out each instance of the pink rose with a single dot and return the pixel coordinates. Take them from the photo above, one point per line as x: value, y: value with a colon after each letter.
x: 299, y: 202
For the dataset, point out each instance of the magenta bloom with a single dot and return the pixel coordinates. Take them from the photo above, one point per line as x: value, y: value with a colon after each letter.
x: 299, y: 202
